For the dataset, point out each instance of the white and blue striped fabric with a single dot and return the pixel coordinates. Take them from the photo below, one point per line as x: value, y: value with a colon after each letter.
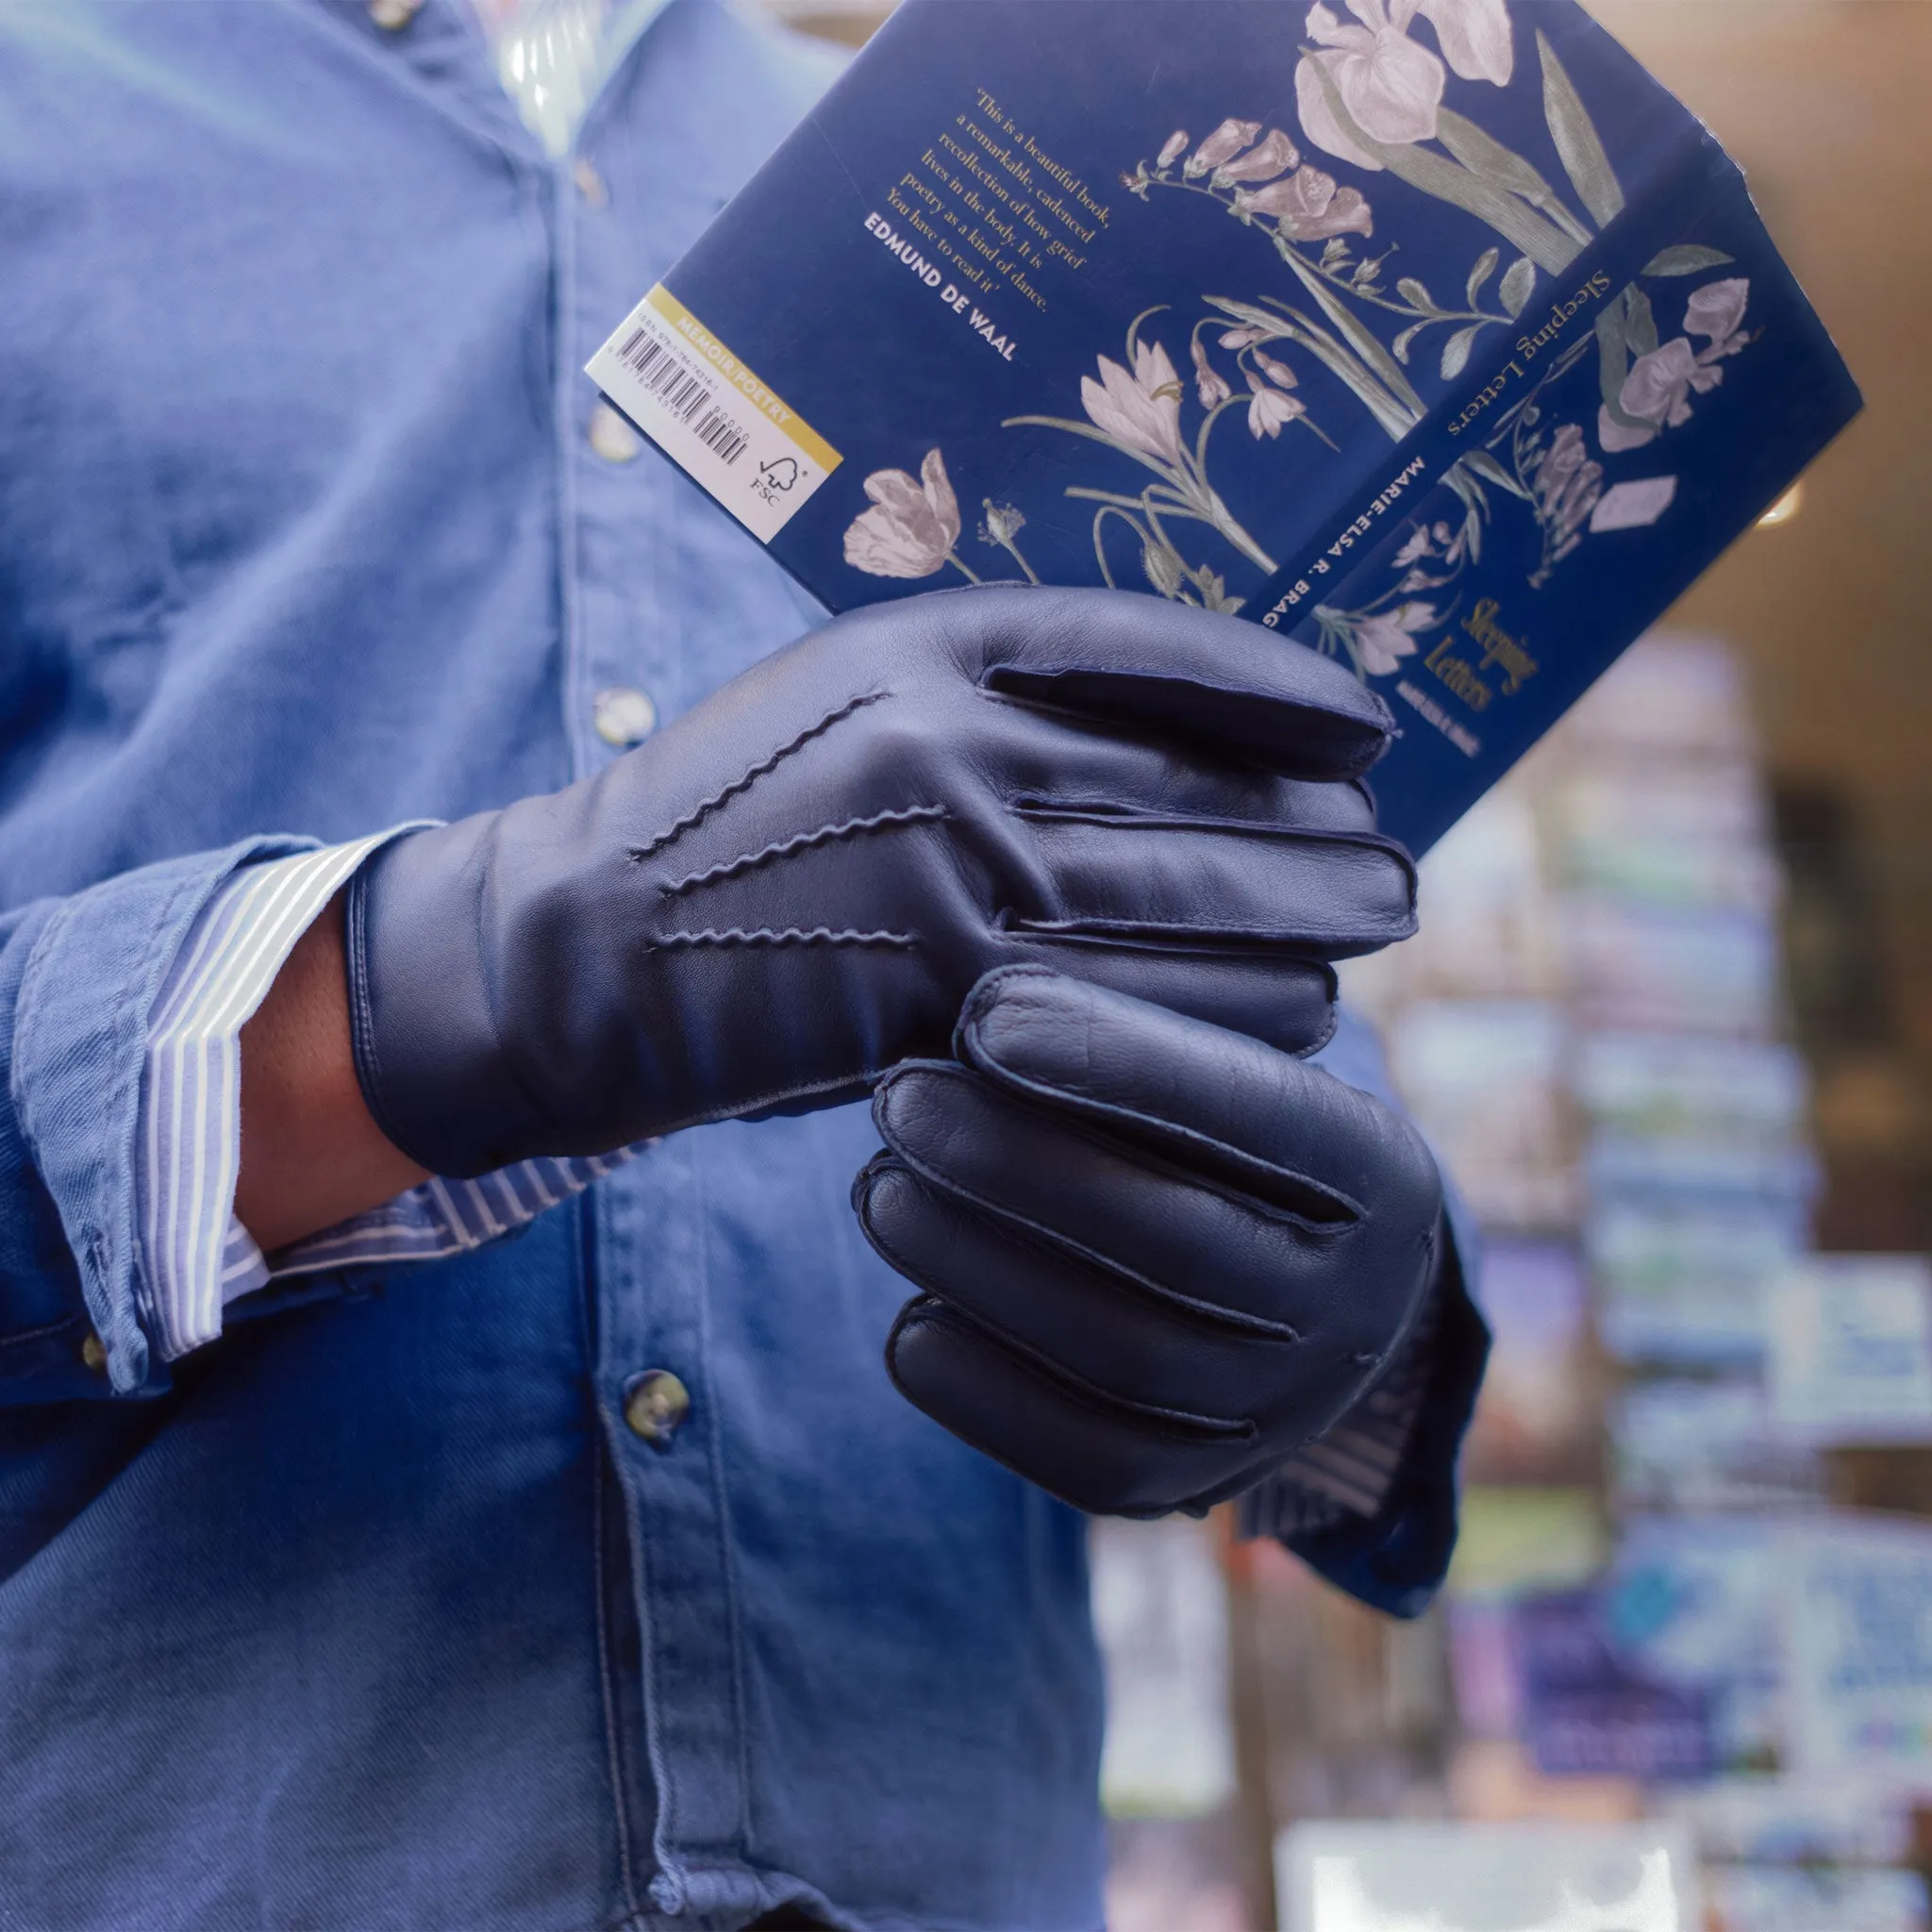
x: 199, y: 1257
x: 1347, y: 1472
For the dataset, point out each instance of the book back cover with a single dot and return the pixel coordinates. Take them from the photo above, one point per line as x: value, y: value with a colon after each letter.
x: 1431, y: 333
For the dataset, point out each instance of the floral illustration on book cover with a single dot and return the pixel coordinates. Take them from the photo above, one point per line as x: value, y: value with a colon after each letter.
x: 1575, y: 458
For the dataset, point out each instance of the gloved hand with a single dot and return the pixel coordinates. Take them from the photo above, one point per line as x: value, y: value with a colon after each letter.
x: 1158, y: 1256
x: 794, y: 885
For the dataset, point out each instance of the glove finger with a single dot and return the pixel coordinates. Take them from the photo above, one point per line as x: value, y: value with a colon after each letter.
x: 1182, y: 673
x: 1299, y: 1260
x: 1057, y: 760
x: 1095, y: 1326
x: 1199, y: 1093
x: 1091, y: 1452
x: 1180, y: 881
x: 1289, y: 1003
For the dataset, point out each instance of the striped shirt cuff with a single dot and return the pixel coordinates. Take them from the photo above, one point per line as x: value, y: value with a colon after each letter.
x: 1347, y: 1472
x: 198, y: 1258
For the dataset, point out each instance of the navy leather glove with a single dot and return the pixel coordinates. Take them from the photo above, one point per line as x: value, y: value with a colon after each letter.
x: 1158, y: 1256
x: 796, y: 885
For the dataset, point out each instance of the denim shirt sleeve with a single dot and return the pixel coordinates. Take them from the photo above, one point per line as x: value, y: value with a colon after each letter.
x: 78, y: 981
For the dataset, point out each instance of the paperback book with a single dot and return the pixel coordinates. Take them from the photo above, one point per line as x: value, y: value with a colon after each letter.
x: 1432, y: 334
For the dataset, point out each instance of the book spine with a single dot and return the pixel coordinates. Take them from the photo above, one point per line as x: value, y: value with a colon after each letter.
x: 1671, y: 204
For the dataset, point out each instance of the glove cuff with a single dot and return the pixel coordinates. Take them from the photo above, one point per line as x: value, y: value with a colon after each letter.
x: 422, y: 1021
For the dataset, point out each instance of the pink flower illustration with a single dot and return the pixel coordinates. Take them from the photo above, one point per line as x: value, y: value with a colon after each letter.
x: 1209, y: 383
x: 1227, y: 141
x: 1275, y: 371
x: 913, y: 523
x: 1173, y: 148
x: 1657, y: 393
x: 1308, y: 207
x: 1140, y: 412
x: 1717, y: 311
x: 1658, y: 389
x: 1385, y: 639
x: 1275, y: 155
x: 1474, y: 36
x: 1418, y: 545
x: 1269, y: 411
x: 1392, y: 86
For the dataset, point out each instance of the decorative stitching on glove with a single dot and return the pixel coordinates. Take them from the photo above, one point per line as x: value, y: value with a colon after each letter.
x: 752, y: 774
x: 785, y: 936
x: 801, y: 841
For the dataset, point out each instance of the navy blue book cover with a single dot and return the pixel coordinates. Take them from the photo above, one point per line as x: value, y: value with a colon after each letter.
x: 1433, y: 334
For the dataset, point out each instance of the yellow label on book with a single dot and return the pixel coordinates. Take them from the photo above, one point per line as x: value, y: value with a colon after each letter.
x: 711, y: 415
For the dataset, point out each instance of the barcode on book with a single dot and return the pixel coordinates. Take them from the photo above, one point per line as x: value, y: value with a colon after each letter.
x: 710, y: 415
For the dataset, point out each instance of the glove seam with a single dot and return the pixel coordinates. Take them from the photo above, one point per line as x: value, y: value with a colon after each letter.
x: 801, y: 841
x: 751, y: 775
x: 1061, y: 1244
x: 1199, y: 1430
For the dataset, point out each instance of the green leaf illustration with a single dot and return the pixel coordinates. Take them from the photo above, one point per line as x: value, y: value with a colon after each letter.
x: 1485, y: 266
x: 1503, y: 168
x: 1481, y: 463
x: 1517, y: 285
x: 1455, y: 350
x: 1402, y: 341
x: 1416, y: 295
x: 1358, y: 338
x: 1577, y: 143
x: 1686, y: 259
x: 1613, y: 364
x: 1640, y: 323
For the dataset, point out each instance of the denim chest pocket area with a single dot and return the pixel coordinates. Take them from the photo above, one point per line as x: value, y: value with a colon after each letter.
x: 87, y: 580
x: 734, y: 602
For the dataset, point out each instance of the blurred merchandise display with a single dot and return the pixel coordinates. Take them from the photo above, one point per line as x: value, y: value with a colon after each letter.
x: 1783, y: 1898
x: 1413, y: 1877
x: 1681, y: 1444
x: 1850, y: 1349
x: 1486, y: 1077
x: 1530, y: 1427
x: 1858, y: 1596
x: 1159, y: 1605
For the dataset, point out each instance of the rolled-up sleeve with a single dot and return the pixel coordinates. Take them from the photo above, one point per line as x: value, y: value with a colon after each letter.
x: 198, y: 1259
x: 79, y: 980
x: 121, y: 1018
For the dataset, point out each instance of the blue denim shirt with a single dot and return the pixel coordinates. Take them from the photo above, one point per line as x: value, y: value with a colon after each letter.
x: 373, y: 1613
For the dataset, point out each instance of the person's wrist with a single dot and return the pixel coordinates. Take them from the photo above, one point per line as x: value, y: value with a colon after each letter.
x: 311, y: 1153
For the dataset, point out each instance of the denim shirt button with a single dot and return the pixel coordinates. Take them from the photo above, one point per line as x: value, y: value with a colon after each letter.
x: 589, y: 183
x: 611, y: 436
x: 623, y: 717
x: 655, y: 1403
